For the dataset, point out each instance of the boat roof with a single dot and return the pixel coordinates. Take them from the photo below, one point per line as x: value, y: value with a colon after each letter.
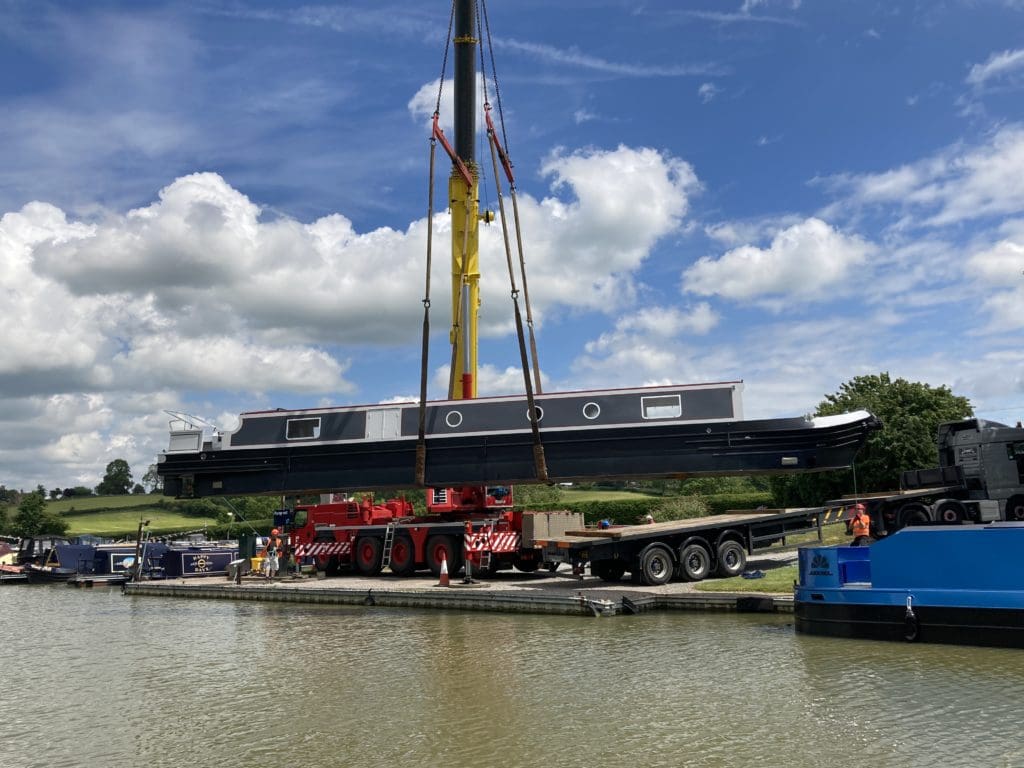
x: 501, y: 398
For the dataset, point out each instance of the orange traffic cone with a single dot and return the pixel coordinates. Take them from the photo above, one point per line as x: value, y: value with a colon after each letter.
x: 444, y: 582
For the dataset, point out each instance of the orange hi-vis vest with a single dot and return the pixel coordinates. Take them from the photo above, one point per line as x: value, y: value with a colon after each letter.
x: 861, y: 525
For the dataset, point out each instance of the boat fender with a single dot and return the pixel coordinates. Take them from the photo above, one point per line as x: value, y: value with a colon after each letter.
x: 911, y: 627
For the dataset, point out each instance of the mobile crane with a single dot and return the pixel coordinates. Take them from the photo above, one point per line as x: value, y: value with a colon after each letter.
x: 477, y: 445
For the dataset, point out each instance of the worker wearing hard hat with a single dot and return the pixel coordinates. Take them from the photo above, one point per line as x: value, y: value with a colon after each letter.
x: 860, y: 526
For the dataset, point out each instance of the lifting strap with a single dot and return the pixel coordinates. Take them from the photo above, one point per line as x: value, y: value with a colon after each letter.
x: 421, y: 442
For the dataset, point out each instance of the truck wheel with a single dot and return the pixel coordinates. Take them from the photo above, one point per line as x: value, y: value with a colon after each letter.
x: 438, y: 545
x: 694, y: 562
x: 403, y: 558
x: 732, y: 559
x: 913, y: 513
x: 950, y: 512
x: 367, y: 556
x: 1015, y: 508
x: 656, y: 565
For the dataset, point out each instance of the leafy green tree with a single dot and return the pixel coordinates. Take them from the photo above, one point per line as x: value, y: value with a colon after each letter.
x: 34, y: 519
x: 55, y: 493
x: 138, y: 489
x: 152, y: 480
x: 78, y: 490
x: 5, y: 522
x: 117, y: 481
x: 910, y: 413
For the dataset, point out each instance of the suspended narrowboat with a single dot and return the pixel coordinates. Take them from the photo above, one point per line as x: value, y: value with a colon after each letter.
x: 665, y: 431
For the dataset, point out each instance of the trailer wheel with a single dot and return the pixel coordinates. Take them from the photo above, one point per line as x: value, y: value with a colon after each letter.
x: 368, y: 555
x: 732, y: 559
x: 526, y: 566
x: 694, y: 562
x: 656, y: 565
x: 403, y: 556
x: 1015, y: 508
x: 438, y: 545
x: 913, y: 513
x: 950, y: 512
x: 608, y: 570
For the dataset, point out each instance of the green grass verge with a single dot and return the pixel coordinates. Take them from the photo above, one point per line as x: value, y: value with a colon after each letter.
x: 780, y: 578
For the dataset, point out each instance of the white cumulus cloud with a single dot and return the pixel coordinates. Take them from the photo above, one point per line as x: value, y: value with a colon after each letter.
x: 802, y: 260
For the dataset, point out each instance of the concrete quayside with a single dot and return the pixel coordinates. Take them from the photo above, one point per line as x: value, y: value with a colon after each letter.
x: 536, y: 593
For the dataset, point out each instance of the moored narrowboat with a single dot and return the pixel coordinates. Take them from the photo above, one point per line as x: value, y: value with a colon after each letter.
x: 936, y: 584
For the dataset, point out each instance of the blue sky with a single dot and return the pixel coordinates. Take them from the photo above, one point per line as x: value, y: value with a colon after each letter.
x: 220, y: 206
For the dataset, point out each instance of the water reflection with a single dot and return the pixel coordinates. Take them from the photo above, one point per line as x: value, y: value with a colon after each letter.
x: 128, y: 681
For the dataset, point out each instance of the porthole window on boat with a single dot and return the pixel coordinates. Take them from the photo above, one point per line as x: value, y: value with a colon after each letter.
x: 540, y: 413
x: 661, y: 406
x: 453, y: 419
x: 591, y: 411
x: 303, y: 429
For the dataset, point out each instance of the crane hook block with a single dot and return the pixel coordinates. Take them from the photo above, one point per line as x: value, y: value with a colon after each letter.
x: 487, y: 217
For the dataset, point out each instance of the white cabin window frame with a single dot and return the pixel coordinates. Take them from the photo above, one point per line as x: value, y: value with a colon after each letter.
x: 304, y: 428
x: 661, y: 407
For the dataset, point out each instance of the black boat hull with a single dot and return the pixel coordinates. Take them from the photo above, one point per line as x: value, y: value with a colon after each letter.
x: 651, y: 451
x: 992, y: 627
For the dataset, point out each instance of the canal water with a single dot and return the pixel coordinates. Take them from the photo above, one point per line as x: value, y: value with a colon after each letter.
x: 94, y: 678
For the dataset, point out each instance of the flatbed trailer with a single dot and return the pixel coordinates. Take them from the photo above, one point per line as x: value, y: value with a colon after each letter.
x: 692, y: 549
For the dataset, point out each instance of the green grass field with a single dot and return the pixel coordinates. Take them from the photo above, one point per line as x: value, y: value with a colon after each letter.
x: 86, y: 503
x: 120, y: 523
x: 571, y: 495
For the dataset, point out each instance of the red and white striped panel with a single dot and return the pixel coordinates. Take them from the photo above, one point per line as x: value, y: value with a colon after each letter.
x: 495, y: 542
x: 324, y: 548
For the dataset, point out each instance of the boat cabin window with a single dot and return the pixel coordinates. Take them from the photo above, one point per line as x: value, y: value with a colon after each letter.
x: 591, y: 411
x: 661, y: 406
x: 303, y: 429
x: 1014, y: 450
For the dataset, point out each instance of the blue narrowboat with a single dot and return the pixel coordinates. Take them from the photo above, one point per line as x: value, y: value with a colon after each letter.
x: 936, y: 584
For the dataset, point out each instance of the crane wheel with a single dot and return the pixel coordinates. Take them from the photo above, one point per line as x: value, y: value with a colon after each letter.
x: 368, y: 555
x: 403, y: 557
x: 438, y: 545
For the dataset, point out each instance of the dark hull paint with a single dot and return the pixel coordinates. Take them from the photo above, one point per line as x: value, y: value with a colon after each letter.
x: 48, y: 574
x: 664, y: 450
x: 995, y: 627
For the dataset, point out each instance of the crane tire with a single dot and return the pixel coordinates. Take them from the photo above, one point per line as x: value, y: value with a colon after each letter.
x: 403, y: 556
x: 367, y: 555
x: 452, y: 553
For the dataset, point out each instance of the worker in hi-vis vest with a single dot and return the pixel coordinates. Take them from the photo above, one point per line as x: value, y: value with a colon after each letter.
x: 860, y: 526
